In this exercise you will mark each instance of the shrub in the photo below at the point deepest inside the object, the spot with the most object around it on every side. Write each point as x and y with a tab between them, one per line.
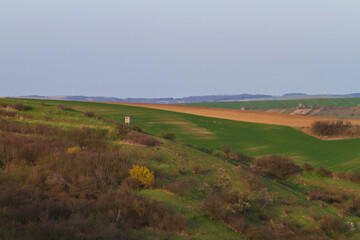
16	106
354	206
348	176
226	148
326	197
62	107
20	107
143	139
238	202
5	113
213	208
121	129
130	211
89	114
144	176
136	128
168	136
278	166
196	169
331	225
306	167
237	224
56	183
329	128
182	187
323	172
238	156
259	233
265	198
86	137
74	149
253	182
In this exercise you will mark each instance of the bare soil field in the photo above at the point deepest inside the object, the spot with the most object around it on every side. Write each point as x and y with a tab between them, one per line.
297	121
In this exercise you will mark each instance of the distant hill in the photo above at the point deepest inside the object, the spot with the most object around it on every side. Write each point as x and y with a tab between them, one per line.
192	99
195	99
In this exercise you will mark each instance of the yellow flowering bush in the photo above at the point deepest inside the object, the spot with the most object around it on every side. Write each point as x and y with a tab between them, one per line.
144	176
73	149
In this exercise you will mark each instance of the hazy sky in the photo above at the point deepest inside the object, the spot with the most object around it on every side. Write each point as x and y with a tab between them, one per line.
161	48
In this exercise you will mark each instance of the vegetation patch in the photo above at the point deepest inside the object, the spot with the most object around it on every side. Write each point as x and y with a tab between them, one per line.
277	166
335	128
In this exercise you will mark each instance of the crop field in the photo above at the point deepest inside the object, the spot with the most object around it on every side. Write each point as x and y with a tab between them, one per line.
261	105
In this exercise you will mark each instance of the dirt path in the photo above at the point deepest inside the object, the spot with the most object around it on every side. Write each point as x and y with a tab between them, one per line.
238	115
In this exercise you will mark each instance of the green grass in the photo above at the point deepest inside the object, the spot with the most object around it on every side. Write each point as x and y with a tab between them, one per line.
271	104
250	138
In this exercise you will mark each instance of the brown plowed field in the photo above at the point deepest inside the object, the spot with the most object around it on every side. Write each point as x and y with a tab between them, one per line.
238	115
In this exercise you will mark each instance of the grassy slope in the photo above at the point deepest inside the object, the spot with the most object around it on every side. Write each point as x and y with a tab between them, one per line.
164	160
176	156
250	138
253	105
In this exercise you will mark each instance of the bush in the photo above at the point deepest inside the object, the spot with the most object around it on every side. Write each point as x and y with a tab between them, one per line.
130	211
331	225
86	137
196	169
237	224
5	113
121	129
259	233
323	172
214	208
254	182
143	139
238	156
306	167
168	136
182	187
278	166
144	176
348	176
74	149
226	148
62	107
136	128
16	106
330	128
238	202
89	114
354	206
326	197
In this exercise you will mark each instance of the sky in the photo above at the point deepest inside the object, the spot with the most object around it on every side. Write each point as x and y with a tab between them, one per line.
167	48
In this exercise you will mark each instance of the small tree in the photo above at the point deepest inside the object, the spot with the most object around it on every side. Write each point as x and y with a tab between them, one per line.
227	150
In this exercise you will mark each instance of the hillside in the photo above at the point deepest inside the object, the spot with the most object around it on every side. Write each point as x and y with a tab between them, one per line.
60	180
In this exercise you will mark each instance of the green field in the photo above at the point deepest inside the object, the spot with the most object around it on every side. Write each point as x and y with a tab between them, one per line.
250	138
272	104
